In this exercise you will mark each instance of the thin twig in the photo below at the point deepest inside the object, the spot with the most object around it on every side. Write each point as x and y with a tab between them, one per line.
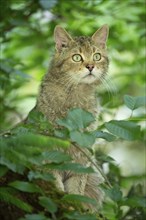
97	167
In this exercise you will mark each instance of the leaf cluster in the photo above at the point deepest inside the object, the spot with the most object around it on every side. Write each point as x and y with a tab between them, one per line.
28	156
26	34
27	184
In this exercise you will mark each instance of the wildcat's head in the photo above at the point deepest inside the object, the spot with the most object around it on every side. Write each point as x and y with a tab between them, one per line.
81	59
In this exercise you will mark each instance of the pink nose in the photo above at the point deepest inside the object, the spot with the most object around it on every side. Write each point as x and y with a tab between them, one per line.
90	67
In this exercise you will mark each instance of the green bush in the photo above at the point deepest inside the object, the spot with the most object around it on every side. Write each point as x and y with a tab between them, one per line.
24	150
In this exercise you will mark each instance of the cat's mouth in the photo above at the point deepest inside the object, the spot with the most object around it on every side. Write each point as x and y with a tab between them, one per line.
90	74
89	78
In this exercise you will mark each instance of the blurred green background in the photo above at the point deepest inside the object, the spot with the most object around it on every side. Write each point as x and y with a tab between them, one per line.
27	46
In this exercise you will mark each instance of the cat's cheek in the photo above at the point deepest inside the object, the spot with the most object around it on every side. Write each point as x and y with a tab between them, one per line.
98	73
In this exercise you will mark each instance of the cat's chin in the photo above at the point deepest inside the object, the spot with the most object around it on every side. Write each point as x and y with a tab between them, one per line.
89	79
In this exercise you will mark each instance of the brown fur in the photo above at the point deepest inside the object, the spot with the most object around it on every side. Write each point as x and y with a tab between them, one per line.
67	85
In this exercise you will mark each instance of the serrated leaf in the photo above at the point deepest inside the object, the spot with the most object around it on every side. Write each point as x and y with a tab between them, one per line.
76	119
124	129
38	140
134	102
75	167
105	135
83	139
48	204
16	157
7	196
12	166
79	198
38	175
56	156
25	186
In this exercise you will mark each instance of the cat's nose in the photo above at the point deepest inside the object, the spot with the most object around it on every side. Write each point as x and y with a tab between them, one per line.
90	67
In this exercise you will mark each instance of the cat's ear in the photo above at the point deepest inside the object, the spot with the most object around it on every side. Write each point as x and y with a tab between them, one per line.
62	38
100	36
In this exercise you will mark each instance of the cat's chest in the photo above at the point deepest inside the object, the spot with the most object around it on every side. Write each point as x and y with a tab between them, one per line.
80	98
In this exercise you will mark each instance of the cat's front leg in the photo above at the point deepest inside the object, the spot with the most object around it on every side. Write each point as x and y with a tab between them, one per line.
58	181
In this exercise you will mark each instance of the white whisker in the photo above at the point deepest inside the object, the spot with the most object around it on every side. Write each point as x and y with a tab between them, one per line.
108	84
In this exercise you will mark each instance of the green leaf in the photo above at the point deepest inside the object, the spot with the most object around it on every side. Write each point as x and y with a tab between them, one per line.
124	129
114	193
109	211
19	130
3	170
104	158
25	186
76	119
7	196
38	140
36	117
48	204
35	217
75	167
79	198
12	166
74	215
37	121
38	175
18	158
105	135
135	201
134	102
63	133
5	67
47	4
56	156
83	139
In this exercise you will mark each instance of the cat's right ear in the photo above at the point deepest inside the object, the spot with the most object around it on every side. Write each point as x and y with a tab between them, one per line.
62	38
100	36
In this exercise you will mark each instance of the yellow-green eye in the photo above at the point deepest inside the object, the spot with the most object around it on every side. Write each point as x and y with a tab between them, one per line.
97	57
77	57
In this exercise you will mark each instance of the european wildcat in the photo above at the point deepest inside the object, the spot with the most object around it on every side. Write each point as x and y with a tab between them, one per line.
78	66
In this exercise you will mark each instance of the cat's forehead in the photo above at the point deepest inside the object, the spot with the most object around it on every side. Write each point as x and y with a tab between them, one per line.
83	39
83	44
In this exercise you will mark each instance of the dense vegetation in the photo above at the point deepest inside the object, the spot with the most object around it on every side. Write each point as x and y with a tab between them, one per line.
26	184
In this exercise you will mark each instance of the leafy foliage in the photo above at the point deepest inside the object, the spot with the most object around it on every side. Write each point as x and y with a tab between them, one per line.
134	102
39	148
76	119
26	184
10	198
125	129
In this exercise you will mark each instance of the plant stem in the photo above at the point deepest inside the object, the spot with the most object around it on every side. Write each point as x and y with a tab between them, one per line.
97	167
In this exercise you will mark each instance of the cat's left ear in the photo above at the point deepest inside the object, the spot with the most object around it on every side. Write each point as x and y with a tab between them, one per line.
100	36
62	38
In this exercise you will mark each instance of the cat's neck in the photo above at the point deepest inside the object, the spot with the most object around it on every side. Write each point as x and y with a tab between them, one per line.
68	87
